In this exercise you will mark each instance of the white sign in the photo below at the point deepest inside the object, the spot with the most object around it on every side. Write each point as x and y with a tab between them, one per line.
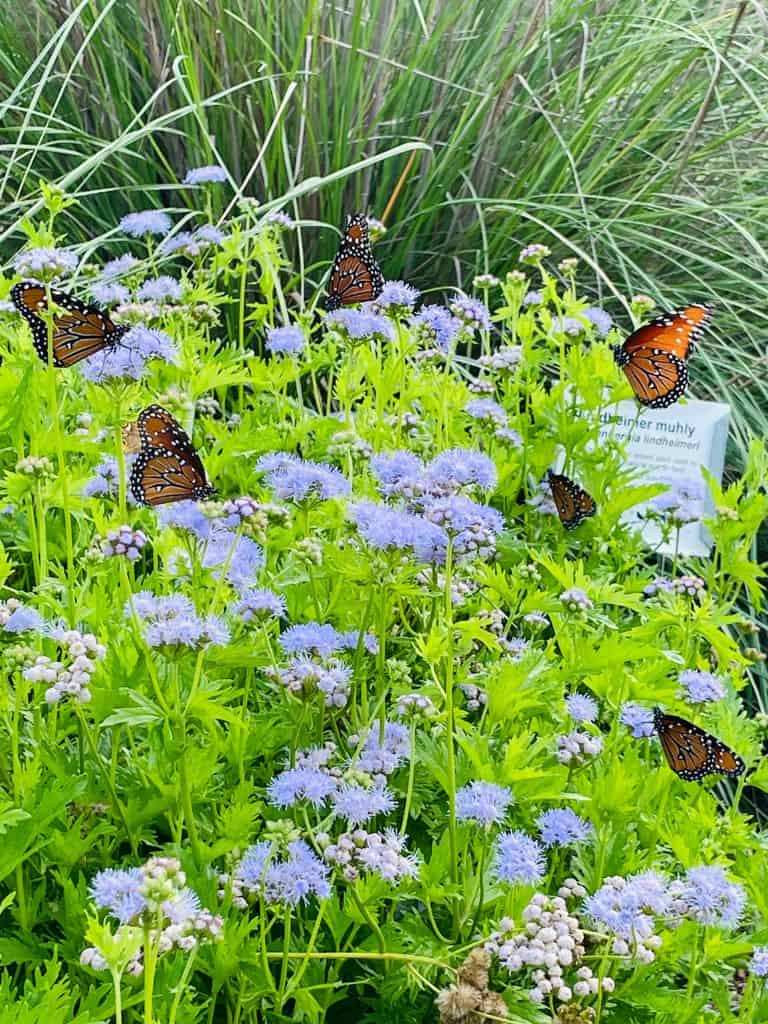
670	446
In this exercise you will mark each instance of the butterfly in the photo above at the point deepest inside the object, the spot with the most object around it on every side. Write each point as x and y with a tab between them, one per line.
655	356
78	332
167	467
355	275
573	503
691	752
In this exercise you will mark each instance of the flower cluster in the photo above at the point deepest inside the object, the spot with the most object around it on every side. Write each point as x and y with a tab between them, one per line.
16	617
293	479
128	358
173	621
303	676
627	909
263	874
70	677
577	746
360	852
484	803
125	542
701	687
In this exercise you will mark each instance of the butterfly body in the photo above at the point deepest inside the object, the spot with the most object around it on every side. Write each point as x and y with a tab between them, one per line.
691	752
167	467
654	358
77	332
573	503
355	275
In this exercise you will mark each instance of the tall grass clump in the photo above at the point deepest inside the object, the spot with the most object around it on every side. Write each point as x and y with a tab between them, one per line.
630	133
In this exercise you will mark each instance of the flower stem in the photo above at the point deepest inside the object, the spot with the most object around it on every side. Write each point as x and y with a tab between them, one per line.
116	984
449	711
180	988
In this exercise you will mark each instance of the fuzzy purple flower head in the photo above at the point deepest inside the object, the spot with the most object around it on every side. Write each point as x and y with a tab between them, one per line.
211	174
519	860
701	687
396	295
146	222
472	312
108	293
484	803
45	263
128	358
360	325
563	827
638	719
581	707
436	326
288	340
159	289
293	479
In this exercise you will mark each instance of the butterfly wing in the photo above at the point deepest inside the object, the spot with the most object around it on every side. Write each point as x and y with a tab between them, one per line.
657	378
355	275
79	330
167	468
676	332
691	752
573	503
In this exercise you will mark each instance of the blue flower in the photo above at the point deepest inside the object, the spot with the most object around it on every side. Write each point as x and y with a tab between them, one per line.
289	340
300	876
576	599
119	891
382	758
581	707
701	687
183	907
182	240
281	219
185	515
638	719
601	320
146	222
173	621
759	963
661	585
45	263
358	803
462	467
312	637
252	869
519	860
210	234
569	325
310	784
562	827
360	324
205	175
107	292
350	639
295	480
104	482
487	409
711	898
484	803
473	527
398	473
386	529
128	358
119	266
159	288
436	325
472	312
534	253
397	294
242	556
257	604
627	907
533	298
24	620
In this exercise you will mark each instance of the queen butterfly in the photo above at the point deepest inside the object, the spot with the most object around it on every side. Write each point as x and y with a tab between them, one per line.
355	275
167	467
573	503
691	752
655	357
77	333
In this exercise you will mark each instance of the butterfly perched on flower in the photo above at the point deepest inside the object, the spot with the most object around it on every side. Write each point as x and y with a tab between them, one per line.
78	330
167	467
355	275
655	357
692	752
573	503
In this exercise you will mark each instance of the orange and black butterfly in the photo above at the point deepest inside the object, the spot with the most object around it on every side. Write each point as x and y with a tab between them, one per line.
167	467
355	275
79	330
691	752
655	356
573	503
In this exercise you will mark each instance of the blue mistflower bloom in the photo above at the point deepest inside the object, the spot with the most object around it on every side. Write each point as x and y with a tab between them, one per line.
759	963
638	719
472	312
315	637
581	707
260	604
701	687
24	620
519	860
562	827
484	803
293	479
533	298
289	340
487	409
120	892
304	783
118	266
159	289
462	467
387	529
473	527
129	357
210	234
300	876
357	803
104	482
185	515
382	758
598	317
360	324
45	263
437	325
146	222
397	295
173	621
711	898
627	907
242	557
107	293
210	174
398	473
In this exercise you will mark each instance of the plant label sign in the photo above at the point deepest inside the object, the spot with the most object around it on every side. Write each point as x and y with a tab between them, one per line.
670	446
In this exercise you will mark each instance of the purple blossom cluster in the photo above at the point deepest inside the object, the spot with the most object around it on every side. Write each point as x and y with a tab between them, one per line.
436	326
124	542
519	860
172	621
289	880
289	340
483	803
380	756
403	474
128	358
45	264
378	853
145	222
293	479
70	677
361	324
304	676
701	687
